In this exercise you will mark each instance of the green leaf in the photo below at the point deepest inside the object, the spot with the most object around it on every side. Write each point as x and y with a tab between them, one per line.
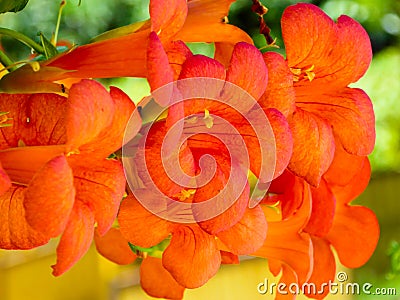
49	49
12	5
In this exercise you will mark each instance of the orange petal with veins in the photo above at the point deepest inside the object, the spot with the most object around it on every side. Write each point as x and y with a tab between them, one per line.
135	221
156	281
324	269
280	92
76	239
111	138
341	52
100	184
160	72
37	119
323	210
351	115
344	166
359	182
104	59
167	20
177	53
248	70
314	146
226	195
114	247
247	235
192	257
285	241
5	182
15	232
91	110
228	258
50	197
205	23
355	230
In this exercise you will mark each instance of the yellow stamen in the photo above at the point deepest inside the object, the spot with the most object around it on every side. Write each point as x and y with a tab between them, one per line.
299	74
34	65
208	120
185	194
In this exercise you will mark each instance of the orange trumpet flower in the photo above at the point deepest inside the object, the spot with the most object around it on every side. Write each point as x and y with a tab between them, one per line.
56	157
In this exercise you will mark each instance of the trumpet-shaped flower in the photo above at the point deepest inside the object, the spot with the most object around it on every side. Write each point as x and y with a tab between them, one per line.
336	222
111	55
55	154
194	253
313	220
324	58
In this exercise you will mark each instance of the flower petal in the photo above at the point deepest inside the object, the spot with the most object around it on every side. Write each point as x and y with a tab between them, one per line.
228	258
324	269
135	221
310	40
280	91
114	247
50	197
26	80
160	72
225	193
205	23
248	70
344	167
177	53
104	59
323	210
192	257
110	139
76	239
5	182
156	164
355	230
223	53
285	241
100	184
15	232
156	281
22	163
351	115
314	146
37	119
202	66
283	140
167	20
248	235
345	194
341	53
91	109
288	276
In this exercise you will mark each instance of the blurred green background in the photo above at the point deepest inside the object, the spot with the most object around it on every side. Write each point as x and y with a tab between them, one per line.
81	22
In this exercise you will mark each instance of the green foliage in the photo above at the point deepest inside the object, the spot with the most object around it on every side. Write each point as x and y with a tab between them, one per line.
49	50
155	251
12	5
394	254
381	84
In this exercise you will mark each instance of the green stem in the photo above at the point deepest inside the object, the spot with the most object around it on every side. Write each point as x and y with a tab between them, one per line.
22	38
6	61
55	37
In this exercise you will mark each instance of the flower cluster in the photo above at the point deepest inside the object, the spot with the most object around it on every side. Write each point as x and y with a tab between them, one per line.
288	139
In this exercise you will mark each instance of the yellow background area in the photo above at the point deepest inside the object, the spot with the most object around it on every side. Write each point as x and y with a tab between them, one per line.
27	275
